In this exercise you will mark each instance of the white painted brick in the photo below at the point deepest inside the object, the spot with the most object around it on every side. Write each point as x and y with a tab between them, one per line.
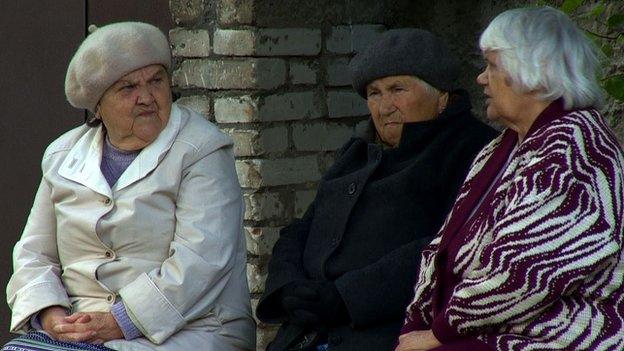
262	206
189	43
233	12
290	171
256	277
267	42
264	335
248	172
186	12
338	73
245	141
320	136
251	73
342	103
288	41
291	106
233	42
256	173
303	72
239	109
258	142
260	240
303	199
198	103
354	38
274	139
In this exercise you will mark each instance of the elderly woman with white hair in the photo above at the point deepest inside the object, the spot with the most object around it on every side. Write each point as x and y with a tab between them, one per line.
530	257
134	240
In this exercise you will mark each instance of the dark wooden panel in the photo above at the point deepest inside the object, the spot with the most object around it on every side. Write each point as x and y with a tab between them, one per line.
38	38
155	12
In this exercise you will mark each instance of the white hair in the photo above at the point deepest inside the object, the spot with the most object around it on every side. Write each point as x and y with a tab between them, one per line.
429	89
542	50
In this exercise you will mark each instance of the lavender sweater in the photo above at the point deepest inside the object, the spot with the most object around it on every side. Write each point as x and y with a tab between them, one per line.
539	266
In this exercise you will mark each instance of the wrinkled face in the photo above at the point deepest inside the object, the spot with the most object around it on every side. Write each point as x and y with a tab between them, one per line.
136	108
502	101
395	100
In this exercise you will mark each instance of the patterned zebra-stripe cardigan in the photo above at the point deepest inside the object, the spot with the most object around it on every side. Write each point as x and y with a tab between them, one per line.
541	265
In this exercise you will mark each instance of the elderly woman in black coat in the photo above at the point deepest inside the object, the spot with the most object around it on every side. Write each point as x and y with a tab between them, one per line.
341	277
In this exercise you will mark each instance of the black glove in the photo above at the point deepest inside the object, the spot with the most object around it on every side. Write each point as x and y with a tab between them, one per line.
314	302
293	296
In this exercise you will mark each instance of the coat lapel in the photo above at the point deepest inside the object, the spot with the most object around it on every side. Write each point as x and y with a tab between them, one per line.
151	155
82	164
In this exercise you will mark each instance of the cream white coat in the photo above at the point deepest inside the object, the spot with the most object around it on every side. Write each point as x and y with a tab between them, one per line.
166	239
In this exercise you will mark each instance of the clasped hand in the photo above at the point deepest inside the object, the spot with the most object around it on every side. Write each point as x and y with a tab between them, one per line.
91	327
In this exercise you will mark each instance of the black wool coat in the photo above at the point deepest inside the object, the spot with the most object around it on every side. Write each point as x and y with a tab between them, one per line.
374	211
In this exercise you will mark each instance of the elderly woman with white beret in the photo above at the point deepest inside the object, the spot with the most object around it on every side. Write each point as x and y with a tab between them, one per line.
134	241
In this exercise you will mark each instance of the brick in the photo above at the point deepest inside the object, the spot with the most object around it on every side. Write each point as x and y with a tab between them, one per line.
240	109
259	142
303	199
256	277
353	38
233	12
256	173
260	240
338	73
343	103
263	206
234	42
303	72
186	12
252	73
189	43
288	41
264	335
291	106
198	103
277	107
320	136
245	141
290	171
267	42
248	172
274	139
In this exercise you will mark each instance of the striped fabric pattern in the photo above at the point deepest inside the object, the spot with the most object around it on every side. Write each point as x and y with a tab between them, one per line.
38	341
542	268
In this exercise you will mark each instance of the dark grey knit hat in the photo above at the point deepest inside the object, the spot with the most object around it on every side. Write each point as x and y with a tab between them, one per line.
406	51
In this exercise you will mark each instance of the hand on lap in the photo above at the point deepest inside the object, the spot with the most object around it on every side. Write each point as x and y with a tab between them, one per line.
417	340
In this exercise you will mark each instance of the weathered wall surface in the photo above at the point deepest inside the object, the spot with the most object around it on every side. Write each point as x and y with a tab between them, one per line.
273	74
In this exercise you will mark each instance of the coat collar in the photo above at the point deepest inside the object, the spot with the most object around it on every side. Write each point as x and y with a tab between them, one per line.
82	164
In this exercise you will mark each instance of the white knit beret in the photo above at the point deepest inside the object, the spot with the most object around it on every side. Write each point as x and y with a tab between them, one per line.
109	53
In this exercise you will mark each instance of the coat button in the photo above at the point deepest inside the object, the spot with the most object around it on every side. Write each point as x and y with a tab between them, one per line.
351	189
110	298
109	254
334	339
107	201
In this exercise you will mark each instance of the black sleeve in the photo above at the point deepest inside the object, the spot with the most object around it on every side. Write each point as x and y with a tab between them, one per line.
381	291
286	263
286	266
